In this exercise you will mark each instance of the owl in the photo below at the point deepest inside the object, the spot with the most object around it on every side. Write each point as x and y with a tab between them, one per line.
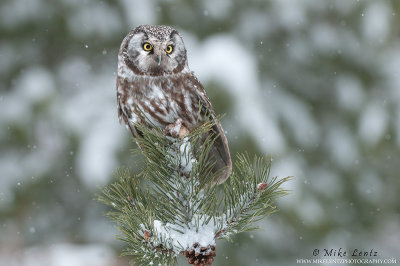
155	87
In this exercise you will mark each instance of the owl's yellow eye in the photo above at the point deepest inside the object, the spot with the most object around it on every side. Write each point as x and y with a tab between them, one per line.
169	49
147	46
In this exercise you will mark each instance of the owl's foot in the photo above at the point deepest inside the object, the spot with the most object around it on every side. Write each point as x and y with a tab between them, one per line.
176	130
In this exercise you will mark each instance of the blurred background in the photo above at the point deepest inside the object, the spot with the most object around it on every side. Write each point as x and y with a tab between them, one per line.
314	84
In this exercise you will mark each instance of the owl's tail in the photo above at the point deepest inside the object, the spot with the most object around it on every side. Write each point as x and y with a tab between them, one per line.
220	154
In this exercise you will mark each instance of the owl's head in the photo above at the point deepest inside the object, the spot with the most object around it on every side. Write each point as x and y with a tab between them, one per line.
153	51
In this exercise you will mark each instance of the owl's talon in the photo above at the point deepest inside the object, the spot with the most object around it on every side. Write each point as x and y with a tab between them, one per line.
183	132
176	130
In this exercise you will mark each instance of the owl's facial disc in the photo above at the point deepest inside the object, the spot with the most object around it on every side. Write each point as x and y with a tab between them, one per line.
152	56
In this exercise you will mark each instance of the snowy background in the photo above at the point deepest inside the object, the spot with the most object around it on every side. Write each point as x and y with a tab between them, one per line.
315	84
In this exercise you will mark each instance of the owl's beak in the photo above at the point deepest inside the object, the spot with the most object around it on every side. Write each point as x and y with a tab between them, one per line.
159	59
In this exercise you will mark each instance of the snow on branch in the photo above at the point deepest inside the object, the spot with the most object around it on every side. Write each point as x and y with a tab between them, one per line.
173	207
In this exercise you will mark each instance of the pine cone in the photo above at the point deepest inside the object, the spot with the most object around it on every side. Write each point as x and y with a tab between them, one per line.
146	235
261	186
199	255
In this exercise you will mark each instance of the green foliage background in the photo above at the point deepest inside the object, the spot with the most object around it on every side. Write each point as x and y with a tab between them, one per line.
314	84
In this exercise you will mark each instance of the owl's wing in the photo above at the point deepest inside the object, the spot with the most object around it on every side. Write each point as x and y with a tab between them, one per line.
123	114
220	151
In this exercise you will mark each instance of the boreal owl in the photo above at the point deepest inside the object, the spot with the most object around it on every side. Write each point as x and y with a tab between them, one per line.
156	88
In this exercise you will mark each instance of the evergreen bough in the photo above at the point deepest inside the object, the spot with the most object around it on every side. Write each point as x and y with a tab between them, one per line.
173	206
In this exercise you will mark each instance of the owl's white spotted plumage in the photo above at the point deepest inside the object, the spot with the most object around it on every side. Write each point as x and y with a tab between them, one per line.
155	87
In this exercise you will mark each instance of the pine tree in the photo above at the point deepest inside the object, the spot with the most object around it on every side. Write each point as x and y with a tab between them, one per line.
173	206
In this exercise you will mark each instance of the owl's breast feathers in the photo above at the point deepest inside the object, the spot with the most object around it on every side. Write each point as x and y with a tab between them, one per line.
160	101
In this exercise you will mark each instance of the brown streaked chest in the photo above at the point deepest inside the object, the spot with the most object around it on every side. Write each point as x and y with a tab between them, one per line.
165	99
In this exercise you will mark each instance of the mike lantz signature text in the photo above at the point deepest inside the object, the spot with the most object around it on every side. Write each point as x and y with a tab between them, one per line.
345	253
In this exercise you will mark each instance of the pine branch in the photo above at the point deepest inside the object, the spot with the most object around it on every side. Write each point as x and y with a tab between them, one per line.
173	207
249	195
